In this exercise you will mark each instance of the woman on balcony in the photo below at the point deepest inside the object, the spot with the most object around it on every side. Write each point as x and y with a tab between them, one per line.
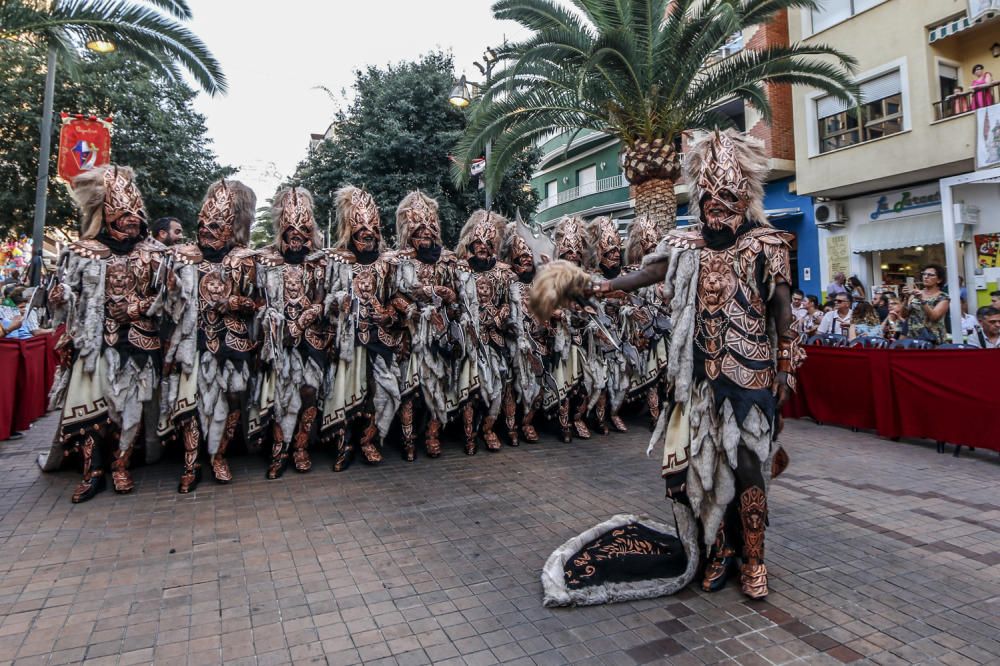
981	84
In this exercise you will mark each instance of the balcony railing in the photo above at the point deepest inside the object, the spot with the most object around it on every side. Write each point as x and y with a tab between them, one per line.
602	185
962	103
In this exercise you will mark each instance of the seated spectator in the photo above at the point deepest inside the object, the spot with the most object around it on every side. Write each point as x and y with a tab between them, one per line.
969	321
20	327
798	305
882	306
864	321
809	324
987	334
856	289
838	320
894	324
927	307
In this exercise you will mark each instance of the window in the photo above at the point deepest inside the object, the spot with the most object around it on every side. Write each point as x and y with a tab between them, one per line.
947	78
550	190
881	114
832	12
586	180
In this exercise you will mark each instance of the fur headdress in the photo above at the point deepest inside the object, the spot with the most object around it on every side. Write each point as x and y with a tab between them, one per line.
483	226
729	159
642	233
293	206
513	245
110	186
416	209
558	284
569	234
602	236
356	207
231	198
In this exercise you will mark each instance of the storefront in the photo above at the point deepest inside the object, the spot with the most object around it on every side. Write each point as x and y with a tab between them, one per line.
884	238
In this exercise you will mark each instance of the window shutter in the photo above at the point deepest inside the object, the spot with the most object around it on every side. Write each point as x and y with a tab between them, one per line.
882	87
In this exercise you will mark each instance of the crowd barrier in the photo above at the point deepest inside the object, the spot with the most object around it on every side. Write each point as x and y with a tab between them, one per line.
27	368
947	395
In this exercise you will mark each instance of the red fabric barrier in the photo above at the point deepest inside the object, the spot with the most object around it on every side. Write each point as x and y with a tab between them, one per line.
946	395
31	380
10	363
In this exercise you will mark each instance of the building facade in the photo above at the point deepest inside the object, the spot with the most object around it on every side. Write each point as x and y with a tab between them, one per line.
587	180
883	174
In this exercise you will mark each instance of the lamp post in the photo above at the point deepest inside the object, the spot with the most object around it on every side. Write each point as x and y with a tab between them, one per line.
461	98
44	151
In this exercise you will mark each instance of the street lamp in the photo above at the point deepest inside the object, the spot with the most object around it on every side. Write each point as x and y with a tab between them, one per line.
461	98
44	150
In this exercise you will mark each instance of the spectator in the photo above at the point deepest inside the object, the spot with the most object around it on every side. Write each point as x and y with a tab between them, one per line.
963	293
982	96
894	324
809	324
837	286
987	334
167	230
969	321
839	319
882	306
864	321
995	299
798	305
20	327
927	307
959	101
856	289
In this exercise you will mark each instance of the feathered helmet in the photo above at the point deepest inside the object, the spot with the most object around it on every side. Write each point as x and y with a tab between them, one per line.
358	218
604	243
643	237
514	249
481	227
108	195
730	168
294	222
226	214
417	212
568	237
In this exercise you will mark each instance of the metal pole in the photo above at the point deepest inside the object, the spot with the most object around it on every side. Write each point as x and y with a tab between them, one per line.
42	184
489	194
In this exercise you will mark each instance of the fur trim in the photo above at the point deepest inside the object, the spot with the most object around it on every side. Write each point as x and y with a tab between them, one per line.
402	226
557	283
343	206
752	160
498	221
88	193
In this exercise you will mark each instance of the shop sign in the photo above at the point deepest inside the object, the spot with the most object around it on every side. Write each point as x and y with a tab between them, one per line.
903	203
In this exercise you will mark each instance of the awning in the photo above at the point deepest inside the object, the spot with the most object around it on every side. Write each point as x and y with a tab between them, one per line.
958	25
927	229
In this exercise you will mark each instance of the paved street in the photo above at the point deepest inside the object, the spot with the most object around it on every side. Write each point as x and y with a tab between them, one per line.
879	552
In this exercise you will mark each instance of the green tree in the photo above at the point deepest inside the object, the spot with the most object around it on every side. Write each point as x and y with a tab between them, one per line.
643	71
156	131
397	135
150	32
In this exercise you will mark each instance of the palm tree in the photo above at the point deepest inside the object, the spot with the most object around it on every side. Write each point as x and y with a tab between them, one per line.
150	32
642	71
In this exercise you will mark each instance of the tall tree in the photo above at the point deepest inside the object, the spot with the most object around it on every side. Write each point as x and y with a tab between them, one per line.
156	131
643	71
397	135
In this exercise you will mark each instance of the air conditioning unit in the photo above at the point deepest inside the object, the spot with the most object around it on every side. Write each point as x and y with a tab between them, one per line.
829	214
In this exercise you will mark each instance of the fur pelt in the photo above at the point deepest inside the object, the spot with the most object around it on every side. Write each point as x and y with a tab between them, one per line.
596	229
557	283
88	193
752	160
244	207
342	201
402	225
633	244
499	222
564	229
283	198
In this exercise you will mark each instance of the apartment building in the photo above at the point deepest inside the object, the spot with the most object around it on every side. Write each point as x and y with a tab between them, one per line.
586	178
896	181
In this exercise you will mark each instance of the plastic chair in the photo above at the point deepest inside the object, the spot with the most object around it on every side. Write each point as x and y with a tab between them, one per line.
911	343
828	340
869	342
956	345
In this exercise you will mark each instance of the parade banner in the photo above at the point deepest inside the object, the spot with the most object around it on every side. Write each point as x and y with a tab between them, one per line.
84	143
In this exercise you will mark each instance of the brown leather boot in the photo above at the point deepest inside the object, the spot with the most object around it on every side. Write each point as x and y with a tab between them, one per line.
579	420
191	473
409	436
279	455
490	437
121	477
721	559
468	420
300	445
600	411
528	428
753	517
653	405
433	439
93	480
345	449
618	424
220	466
369	445
567	433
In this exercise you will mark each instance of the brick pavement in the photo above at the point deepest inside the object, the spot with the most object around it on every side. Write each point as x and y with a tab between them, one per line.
879	552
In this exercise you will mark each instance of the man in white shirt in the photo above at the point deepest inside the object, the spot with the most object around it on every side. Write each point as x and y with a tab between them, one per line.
798	306
839	319
988	335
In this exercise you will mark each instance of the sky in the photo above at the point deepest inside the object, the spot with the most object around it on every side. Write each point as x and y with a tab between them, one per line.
275	55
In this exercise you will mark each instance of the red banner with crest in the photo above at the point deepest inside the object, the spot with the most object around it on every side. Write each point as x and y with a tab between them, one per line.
84	143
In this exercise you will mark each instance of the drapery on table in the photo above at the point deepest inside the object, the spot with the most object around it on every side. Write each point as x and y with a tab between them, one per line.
27	368
944	395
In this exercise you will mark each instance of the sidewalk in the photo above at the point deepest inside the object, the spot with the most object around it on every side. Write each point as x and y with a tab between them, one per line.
879	552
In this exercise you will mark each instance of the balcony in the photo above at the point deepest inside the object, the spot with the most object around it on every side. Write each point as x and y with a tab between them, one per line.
962	103
602	185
